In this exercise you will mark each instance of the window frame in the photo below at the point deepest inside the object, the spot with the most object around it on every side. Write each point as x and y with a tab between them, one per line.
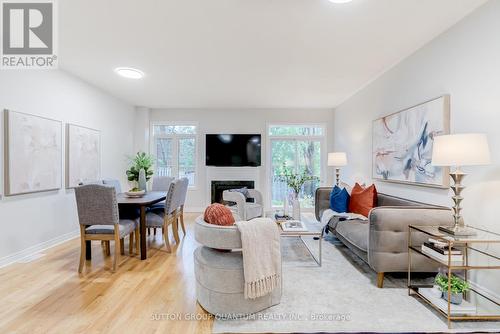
175	149
323	154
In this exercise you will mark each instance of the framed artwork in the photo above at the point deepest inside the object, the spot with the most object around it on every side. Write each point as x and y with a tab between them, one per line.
403	141
83	155
33	153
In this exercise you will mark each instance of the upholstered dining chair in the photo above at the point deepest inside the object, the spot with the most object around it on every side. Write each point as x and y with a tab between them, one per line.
170	213
182	201
113	183
160	183
99	220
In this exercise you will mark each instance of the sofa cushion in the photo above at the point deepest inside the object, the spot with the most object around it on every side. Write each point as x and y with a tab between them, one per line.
339	200
363	199
355	232
218	214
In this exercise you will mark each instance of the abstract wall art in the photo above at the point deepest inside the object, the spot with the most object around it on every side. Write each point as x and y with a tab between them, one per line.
33	153
402	144
83	155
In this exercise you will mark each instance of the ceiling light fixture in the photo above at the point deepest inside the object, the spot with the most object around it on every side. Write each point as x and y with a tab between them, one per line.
130	73
339	1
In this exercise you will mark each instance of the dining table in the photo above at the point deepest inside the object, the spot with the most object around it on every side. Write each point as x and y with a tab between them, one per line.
141	203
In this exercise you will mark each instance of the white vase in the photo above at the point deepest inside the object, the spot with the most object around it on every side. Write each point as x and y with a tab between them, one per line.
142	180
296	209
285	206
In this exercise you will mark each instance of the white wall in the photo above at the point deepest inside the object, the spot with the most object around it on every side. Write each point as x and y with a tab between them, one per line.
463	62
239	121
33	221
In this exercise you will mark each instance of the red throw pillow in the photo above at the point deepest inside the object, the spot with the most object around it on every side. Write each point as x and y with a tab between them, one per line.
363	199
218	214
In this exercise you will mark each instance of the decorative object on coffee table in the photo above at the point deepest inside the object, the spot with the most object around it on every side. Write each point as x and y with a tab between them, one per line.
295	181
458	150
337	160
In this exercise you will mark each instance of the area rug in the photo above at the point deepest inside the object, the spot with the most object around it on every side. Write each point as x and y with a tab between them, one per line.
341	296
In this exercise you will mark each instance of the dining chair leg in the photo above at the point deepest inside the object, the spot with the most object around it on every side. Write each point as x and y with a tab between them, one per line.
108	247
131	243
175	230
122	246
137	240
149	231
117	249
182	220
165	235
83	249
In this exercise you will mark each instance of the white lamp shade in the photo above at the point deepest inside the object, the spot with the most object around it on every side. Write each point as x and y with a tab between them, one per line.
337	159
466	149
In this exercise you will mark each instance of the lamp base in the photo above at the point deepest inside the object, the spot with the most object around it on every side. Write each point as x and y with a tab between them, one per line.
459	231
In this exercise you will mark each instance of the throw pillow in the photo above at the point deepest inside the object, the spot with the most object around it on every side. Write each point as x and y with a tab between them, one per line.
339	200
218	214
363	199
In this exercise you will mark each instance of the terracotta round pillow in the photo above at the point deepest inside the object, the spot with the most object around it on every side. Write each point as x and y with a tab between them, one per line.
218	214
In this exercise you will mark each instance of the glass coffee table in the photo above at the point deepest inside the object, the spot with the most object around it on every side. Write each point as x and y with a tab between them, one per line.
314	230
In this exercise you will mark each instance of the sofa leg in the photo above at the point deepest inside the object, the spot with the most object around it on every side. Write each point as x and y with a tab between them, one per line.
380	280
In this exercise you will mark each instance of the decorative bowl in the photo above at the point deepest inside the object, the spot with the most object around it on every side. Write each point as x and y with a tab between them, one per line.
135	194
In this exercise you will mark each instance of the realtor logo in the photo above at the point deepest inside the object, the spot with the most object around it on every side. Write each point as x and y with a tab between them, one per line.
28	31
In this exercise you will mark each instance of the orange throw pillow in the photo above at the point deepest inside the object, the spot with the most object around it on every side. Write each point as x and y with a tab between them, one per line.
218	214
363	199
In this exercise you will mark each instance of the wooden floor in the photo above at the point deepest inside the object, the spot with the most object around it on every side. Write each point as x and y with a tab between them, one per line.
152	296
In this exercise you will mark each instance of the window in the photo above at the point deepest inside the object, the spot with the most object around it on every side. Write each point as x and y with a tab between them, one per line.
174	148
298	148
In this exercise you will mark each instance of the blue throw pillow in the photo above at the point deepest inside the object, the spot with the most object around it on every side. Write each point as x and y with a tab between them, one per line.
339	200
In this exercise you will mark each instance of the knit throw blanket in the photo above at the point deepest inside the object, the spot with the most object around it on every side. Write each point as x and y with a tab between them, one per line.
260	239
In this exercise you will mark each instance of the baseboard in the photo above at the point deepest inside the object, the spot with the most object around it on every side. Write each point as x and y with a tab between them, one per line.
13	258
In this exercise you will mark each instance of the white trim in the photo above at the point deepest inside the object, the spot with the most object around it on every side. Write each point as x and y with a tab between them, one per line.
30	251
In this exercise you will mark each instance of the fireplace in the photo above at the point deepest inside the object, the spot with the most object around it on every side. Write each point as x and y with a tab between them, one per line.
218	188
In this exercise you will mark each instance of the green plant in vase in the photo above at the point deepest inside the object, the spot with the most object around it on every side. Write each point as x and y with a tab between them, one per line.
458	287
295	182
141	169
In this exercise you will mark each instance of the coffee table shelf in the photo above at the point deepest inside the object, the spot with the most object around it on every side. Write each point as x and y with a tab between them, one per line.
314	230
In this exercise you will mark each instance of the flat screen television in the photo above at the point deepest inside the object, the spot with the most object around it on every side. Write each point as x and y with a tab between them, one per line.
233	150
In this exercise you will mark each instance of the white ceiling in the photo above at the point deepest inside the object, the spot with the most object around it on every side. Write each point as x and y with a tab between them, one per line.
245	53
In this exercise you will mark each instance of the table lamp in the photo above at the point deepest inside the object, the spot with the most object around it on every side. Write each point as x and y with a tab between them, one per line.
337	160
470	149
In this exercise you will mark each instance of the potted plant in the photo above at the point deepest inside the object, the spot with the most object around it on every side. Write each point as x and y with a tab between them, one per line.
141	169
295	181
458	287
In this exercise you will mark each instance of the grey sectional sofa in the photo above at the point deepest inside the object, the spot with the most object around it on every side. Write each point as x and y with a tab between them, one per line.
382	241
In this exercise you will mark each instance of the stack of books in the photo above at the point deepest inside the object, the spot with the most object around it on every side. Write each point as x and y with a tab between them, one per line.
439	251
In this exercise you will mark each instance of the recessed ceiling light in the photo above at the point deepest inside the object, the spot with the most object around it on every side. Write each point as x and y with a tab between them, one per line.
340	1
130	73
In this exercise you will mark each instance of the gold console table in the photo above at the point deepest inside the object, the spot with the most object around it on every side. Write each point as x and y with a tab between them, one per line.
476	256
